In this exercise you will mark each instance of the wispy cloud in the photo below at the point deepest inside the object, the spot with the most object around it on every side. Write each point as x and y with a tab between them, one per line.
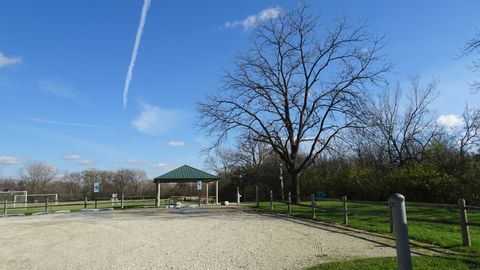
6	83
71	157
160	165
252	20
154	121
136	161
176	143
450	121
138	38
8	61
9	160
78	160
87	162
57	89
72	124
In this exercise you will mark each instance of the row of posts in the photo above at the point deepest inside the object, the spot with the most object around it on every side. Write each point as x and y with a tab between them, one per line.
461	206
398	211
85	204
398	224
313	204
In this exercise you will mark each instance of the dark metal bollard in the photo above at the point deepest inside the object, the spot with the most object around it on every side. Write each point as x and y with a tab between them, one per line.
46	205
289	203
271	200
313	206
400	228
345	210
464	222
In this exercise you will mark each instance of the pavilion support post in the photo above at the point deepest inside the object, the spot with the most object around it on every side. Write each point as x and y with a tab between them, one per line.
157	200
199	192
206	195
216	192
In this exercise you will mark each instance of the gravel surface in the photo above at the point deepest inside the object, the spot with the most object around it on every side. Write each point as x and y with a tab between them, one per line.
188	238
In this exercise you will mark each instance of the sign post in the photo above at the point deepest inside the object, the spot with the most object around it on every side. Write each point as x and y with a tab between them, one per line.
96	189
199	188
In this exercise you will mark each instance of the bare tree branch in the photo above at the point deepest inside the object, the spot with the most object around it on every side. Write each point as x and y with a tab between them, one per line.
298	83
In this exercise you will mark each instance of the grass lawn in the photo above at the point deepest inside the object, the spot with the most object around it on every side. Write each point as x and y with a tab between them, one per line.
423	263
423	226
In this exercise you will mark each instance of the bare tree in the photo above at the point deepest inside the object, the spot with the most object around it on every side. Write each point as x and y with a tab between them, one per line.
295	86
8	184
72	183
35	176
470	134
472	47
222	161
128	180
402	133
251	152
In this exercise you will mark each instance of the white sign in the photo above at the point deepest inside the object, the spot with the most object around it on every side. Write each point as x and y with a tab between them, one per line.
96	187
199	185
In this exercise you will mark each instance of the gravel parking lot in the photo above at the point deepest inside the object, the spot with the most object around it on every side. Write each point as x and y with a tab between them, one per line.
188	238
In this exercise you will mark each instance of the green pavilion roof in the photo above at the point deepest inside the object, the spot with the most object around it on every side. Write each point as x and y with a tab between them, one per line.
185	173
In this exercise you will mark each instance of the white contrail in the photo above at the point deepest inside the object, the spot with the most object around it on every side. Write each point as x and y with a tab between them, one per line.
146	6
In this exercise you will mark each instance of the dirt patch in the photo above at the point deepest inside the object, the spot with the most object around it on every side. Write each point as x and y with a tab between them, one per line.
212	238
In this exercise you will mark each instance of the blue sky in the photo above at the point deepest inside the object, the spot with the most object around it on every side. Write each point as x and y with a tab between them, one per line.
63	66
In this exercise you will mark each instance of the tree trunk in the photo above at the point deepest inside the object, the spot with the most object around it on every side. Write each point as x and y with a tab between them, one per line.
296	184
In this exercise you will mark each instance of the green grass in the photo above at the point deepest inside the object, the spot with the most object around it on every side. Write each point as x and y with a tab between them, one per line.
422	220
423	263
423	226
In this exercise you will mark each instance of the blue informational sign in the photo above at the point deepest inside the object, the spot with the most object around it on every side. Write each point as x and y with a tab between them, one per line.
199	185
96	187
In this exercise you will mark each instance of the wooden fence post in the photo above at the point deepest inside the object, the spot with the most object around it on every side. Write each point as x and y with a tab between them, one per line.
464	222
313	206
345	210
46	205
256	196
5	207
271	200
85	202
289	203
121	202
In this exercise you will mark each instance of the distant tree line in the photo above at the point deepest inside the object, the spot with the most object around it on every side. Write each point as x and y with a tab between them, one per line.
41	178
432	166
